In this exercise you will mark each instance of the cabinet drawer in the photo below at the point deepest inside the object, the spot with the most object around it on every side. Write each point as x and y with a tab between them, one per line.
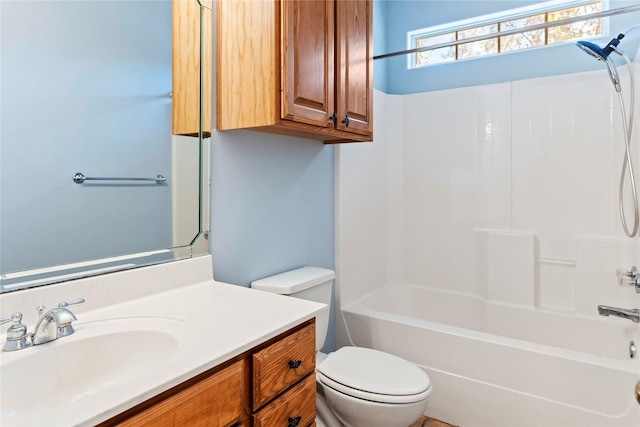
216	401
296	407
282	364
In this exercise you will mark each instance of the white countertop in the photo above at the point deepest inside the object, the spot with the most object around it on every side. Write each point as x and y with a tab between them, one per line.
215	322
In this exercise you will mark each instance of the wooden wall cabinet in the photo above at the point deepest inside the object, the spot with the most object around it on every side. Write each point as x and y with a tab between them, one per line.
186	63
271	385
296	67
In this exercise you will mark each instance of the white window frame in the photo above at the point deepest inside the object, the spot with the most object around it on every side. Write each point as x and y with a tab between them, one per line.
492	18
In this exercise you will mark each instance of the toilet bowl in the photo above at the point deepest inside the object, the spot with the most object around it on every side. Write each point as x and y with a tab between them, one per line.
360	387
370	388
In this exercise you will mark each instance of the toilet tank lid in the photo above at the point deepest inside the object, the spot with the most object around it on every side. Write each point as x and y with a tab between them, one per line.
294	281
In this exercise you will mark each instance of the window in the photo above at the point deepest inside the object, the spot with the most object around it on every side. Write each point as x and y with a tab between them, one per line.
519	19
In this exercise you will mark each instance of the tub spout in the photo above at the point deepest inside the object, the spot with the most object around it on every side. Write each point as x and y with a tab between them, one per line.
631	314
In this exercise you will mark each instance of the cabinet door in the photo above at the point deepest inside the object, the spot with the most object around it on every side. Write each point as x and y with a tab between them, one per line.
354	54
307	46
216	401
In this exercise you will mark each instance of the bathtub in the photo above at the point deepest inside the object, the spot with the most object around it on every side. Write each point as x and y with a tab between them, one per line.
495	364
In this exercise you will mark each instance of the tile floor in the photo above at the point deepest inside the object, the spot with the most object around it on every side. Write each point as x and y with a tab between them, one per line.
429	422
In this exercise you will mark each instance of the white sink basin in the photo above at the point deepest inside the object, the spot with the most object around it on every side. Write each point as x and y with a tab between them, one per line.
99	356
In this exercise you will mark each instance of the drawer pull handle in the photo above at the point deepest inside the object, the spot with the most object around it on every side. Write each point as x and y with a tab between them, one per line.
295	364
293	422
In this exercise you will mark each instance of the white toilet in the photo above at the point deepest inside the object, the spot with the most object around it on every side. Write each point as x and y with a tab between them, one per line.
362	387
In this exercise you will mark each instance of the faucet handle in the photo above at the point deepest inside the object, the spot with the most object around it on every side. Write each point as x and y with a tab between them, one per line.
629	279
17	337
74	302
17	316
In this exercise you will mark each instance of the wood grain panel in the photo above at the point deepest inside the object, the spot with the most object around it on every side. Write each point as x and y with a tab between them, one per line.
355	56
300	401
272	372
307	43
247	63
217	401
186	62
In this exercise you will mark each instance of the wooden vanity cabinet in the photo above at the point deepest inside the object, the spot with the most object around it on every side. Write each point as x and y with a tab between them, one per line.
296	67
186	63
271	385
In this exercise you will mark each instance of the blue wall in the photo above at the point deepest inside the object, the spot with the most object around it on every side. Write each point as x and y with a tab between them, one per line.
272	205
402	16
380	13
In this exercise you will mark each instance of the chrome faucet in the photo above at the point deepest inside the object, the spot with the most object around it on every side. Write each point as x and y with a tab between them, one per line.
53	324
631	314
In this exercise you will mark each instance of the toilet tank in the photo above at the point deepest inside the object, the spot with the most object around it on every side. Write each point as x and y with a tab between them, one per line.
309	283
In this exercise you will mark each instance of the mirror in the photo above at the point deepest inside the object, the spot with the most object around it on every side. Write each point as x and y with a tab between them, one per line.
86	88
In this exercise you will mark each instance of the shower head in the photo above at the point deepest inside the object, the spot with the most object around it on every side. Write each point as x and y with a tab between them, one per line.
602	54
593	50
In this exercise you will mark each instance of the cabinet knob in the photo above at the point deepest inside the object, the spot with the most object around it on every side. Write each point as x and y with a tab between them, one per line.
293	422
345	121
295	364
333	118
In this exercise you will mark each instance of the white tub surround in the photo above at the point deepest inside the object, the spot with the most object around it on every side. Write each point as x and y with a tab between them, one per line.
504	198
213	322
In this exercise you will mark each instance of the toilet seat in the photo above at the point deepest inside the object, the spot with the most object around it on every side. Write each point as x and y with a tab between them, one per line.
374	375
372	397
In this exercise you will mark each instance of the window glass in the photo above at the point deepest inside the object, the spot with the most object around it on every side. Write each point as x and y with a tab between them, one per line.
479	48
436	56
577	30
525	39
508	21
